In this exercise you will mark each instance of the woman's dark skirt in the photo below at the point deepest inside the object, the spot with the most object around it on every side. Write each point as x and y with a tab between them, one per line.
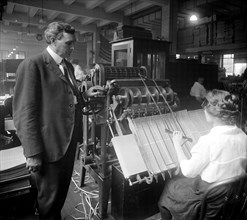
182	197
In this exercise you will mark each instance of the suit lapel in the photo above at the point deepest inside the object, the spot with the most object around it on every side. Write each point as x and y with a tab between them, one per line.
52	66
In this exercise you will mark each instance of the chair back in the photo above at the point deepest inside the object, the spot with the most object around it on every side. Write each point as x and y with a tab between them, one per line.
226	200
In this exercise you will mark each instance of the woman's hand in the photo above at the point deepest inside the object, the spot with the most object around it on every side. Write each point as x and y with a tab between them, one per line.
177	137
178	141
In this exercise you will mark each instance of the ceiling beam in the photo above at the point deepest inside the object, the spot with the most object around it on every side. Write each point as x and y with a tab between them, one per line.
116	5
158	2
52	15
76	9
32	12
93	3
68	2
23	18
86	20
70	18
136	7
102	23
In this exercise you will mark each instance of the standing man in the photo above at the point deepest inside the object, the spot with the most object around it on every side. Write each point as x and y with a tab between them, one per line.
47	116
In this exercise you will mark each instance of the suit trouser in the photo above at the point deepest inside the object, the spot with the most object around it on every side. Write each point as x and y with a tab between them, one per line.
53	183
53	180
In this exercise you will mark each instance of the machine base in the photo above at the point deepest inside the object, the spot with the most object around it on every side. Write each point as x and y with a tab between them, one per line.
135	202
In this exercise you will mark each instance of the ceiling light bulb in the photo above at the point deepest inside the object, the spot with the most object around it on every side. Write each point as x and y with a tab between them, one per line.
193	18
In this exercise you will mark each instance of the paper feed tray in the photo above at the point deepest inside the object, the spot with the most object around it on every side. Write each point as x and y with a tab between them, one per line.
129	155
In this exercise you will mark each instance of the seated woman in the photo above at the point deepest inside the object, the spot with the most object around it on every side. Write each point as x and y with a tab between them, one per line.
219	155
197	94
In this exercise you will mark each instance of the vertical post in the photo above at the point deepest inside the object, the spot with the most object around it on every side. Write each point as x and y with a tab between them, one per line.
169	25
105	184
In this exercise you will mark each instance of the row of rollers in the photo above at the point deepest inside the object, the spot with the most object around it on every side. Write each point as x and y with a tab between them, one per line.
128	96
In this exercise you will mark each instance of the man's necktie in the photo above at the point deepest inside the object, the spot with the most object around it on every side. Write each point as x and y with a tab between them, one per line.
72	82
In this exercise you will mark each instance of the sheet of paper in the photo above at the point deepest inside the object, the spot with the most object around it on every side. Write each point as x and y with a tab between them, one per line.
154	143
11	157
9	125
129	156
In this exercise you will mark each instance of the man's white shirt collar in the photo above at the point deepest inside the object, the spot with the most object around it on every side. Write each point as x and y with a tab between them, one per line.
56	57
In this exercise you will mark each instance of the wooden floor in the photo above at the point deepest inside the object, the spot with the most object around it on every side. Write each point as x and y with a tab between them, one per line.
76	205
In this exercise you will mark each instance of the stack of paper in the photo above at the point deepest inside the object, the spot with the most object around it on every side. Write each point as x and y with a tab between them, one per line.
14	176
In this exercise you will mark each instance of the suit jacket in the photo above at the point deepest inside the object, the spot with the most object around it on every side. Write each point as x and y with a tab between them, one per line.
43	108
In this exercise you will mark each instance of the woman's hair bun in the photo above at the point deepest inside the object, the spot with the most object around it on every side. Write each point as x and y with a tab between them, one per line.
230	102
223	105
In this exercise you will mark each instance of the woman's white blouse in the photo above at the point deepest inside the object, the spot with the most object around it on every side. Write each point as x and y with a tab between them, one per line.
219	155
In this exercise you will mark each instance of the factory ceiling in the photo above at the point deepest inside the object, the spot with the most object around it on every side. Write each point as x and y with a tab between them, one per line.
84	15
31	16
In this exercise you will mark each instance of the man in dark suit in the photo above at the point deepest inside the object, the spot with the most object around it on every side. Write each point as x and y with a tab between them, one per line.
47	115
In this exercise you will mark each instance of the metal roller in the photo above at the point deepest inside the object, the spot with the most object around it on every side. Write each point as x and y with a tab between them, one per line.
137	95
146	97
125	97
162	94
170	94
154	93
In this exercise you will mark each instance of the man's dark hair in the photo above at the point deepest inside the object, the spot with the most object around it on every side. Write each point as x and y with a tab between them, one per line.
55	31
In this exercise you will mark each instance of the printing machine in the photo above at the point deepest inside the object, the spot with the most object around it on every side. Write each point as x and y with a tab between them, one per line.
127	143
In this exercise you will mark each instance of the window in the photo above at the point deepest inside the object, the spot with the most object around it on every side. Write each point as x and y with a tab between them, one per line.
233	65
228	63
20	55
239	68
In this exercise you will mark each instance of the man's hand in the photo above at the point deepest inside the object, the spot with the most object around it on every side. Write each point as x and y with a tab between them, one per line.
94	91
34	163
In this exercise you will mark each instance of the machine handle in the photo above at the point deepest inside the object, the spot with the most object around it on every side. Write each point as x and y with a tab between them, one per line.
185	137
